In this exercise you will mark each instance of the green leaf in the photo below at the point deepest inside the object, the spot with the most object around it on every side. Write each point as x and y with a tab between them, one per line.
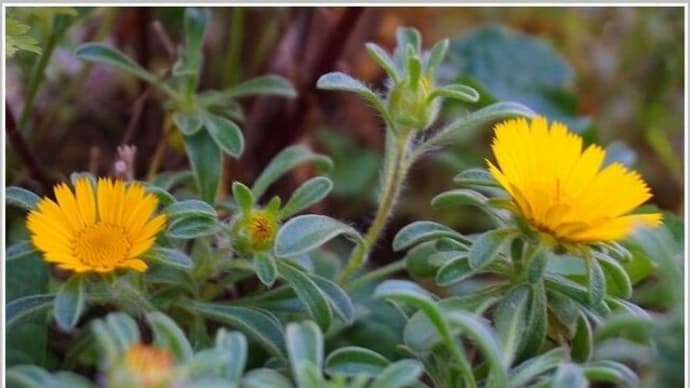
167	335
462	197
617	281
473	177
265	378
537	265
418	259
25	306
243	196
339	299
285	161
596	281
487	342
569	376
578	294
399	374
535	366
27	376
164	197
17	37
188	228
69	303
493	112
97	52
386	62
457	92
304	343
582	343
309	293
265	267
309	193
257	324
114	334
233	346
342	81
486	247
171	257
19	250
195	22
204	156
414	68
188	123
169	180
307	232
226	134
190	208
402	373
419	231
267	85
454	270
21	198
535	330
407	36
352	361
510	318
308	375
436	55
610	372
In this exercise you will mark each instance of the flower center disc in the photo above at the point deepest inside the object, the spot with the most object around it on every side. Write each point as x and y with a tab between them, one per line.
101	245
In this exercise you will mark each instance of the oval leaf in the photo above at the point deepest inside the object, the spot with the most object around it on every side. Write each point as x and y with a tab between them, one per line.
473	177
265	378
69	303
205	158
342	81
457	92
454	270
569	376
486	247
339	299
167	335
172	257
308	232
257	324
304	342
188	123
190	208
192	227
510	318
19	250
242	196
419	231
285	161
459	197
21	198
307	291
265	267
309	193
226	134
353	361
399	374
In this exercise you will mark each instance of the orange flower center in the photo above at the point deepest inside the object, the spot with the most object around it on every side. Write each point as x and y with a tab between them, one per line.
101	245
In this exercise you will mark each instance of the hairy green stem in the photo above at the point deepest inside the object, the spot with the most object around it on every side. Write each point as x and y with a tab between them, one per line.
394	172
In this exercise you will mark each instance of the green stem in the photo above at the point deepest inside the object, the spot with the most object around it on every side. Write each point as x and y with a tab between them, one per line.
234	53
37	77
394	172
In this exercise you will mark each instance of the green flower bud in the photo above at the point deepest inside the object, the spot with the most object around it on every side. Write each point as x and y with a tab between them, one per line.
410	106
255	230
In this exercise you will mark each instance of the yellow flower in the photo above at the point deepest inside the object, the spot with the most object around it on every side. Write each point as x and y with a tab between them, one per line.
561	189
96	229
142	366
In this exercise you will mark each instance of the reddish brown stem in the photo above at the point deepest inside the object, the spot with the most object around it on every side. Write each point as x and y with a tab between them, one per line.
24	152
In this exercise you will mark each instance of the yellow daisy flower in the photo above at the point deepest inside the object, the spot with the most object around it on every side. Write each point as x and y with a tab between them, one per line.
561	189
97	229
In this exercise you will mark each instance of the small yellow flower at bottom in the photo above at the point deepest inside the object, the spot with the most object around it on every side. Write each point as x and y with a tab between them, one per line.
96	229
562	190
142	366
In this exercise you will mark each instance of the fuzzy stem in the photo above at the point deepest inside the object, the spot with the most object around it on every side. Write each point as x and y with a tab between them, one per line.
394	172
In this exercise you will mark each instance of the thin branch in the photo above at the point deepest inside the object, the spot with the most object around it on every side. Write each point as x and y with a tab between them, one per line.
22	149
